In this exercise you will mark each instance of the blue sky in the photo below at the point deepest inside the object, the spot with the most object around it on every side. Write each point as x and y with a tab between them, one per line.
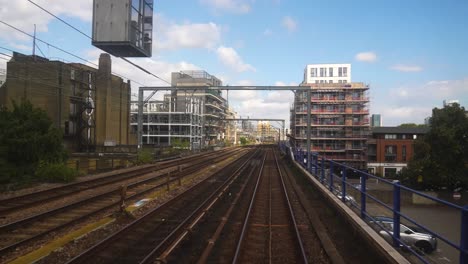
412	53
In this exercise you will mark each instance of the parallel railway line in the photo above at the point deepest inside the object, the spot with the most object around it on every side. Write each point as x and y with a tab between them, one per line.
21	202
21	232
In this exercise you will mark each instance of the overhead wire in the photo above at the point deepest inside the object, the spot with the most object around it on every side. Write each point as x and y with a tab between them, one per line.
51	45
86	35
69	53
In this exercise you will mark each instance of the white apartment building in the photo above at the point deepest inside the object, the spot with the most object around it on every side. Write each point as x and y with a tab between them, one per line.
327	73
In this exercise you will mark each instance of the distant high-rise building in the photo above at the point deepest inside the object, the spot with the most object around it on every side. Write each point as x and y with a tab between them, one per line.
427	120
339	114
376	120
450	102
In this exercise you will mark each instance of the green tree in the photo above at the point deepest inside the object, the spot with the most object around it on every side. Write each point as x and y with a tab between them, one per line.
27	137
441	157
244	141
412	125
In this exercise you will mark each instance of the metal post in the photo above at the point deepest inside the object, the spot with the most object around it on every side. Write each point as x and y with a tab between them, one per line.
323	170
140	118
331	176
396	213
464	236
363	196
309	109
316	165
343	185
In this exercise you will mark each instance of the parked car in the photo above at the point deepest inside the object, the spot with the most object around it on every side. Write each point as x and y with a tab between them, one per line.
410	235
348	198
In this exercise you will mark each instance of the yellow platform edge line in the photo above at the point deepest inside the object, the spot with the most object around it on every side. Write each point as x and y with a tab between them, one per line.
59	242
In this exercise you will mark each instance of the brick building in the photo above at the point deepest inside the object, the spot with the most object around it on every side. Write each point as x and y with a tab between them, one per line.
390	148
91	106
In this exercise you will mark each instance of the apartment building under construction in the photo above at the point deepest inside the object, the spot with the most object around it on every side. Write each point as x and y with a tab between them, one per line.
339	114
191	115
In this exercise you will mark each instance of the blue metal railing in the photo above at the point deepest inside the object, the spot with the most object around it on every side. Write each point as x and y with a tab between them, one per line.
318	167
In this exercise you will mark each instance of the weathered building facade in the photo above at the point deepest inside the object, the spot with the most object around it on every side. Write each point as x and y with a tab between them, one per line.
91	106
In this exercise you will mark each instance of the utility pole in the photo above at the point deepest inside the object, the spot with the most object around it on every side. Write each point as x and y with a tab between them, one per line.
34	44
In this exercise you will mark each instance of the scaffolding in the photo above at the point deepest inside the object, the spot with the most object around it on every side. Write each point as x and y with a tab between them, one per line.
339	123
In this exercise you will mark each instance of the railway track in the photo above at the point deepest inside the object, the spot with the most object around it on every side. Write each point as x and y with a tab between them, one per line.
144	240
21	232
13	204
270	232
272	235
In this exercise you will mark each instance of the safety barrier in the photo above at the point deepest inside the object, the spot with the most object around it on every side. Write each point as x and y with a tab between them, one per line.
333	175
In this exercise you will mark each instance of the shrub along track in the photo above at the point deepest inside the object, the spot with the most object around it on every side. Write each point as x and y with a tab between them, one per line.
142	240
27	230
21	202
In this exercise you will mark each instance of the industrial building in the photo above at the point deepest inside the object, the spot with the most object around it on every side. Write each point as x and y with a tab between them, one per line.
187	114
90	106
339	114
390	149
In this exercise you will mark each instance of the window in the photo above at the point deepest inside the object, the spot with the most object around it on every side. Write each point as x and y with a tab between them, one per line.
316	81
323	72
345	71
390	136
403	153
344	81
390	172
313	72
330	81
322	81
340	72
415	136
340	81
330	72
390	153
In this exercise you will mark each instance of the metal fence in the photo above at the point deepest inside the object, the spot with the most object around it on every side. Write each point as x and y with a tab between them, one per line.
334	176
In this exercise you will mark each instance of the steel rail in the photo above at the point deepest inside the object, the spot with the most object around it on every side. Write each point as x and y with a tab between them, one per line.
217	194
17	203
247	217
212	241
291	212
38	217
86	255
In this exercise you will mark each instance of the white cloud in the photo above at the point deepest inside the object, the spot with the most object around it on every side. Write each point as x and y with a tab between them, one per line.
280	97
413	103
406	68
232	6
230	58
280	83
245	83
158	67
368	56
289	23
405	114
23	15
172	36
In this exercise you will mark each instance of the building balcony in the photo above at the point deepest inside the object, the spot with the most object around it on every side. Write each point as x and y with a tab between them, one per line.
215	106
